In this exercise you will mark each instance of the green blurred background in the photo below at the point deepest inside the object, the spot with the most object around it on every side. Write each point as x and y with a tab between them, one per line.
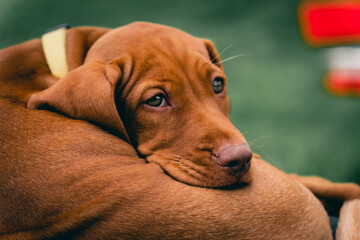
278	100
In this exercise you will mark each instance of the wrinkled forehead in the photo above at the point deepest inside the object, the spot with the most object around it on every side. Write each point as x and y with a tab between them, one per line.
146	42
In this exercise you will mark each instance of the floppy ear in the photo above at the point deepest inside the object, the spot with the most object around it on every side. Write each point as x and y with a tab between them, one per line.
213	54
78	42
88	93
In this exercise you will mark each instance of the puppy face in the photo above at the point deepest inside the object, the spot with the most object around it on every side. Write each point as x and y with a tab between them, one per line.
170	94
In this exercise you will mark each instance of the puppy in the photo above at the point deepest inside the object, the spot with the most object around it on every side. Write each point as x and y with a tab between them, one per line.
166	93
66	178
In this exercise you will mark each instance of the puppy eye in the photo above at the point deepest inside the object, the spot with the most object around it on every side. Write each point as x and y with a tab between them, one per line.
156	101
218	85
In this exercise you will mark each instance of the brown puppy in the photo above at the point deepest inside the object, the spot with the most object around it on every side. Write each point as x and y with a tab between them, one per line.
62	178
170	101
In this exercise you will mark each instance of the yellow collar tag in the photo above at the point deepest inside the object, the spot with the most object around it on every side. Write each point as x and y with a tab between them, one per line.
53	44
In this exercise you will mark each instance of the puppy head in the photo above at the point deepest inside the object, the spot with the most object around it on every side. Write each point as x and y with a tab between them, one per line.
165	92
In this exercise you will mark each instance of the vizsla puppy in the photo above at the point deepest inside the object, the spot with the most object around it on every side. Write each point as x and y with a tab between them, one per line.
170	102
160	94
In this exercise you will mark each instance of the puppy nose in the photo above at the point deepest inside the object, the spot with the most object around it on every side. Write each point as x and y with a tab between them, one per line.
237	158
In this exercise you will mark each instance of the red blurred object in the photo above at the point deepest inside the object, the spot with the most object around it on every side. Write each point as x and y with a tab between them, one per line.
343	82
325	23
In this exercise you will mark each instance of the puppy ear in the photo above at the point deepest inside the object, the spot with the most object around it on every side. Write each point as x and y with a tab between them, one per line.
213	54
87	93
78	42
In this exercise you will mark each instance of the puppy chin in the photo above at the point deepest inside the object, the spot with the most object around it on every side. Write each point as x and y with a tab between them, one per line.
247	177
230	181
218	180
211	176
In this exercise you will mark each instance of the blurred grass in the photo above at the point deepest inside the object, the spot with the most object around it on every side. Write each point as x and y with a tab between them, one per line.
278	101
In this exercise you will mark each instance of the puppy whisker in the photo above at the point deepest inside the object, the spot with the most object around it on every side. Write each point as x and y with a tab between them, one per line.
233	57
175	156
189	170
184	162
244	132
179	159
230	45
260	150
255	147
257	139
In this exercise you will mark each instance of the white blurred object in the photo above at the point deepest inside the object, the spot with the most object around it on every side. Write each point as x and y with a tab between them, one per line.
344	58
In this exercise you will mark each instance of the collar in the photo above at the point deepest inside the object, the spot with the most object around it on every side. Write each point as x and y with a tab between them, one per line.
54	48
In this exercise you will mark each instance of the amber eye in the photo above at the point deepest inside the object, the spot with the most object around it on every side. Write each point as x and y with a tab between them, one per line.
156	101
218	85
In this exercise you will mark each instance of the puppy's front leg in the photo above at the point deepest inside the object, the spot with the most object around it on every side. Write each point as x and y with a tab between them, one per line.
323	188
349	221
339	199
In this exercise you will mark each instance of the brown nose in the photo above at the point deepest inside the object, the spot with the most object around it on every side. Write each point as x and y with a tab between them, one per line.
236	157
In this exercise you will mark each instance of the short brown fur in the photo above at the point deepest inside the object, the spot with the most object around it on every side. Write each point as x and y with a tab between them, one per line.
62	177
